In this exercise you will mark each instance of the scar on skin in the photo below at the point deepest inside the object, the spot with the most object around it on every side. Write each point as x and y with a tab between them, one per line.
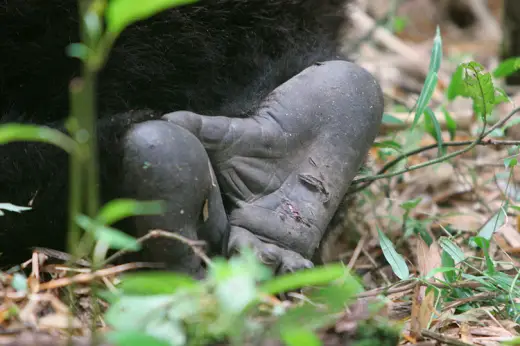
315	184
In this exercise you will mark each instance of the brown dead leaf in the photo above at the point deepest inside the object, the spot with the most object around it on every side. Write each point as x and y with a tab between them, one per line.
463	222
465	333
428	258
59	321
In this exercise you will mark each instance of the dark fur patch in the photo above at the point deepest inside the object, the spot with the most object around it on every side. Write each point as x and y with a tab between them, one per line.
214	57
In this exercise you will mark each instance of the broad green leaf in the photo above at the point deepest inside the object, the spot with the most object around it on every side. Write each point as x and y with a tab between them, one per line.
426	94
479	87
132	313
395	260
151	283
167	330
299	336
335	296
507	67
119	209
309	277
452	249
307	316
187	307
236	292
122	13
456	87
112	237
134	338
21	133
500	95
390	119
246	262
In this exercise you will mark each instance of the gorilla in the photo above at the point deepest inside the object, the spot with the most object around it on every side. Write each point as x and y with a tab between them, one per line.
241	115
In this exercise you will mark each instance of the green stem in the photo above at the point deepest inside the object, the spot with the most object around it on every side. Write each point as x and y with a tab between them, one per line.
88	123
75	171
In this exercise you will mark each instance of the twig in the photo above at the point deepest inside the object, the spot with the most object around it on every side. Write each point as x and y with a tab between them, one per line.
195	245
470	145
476	297
444	339
87	277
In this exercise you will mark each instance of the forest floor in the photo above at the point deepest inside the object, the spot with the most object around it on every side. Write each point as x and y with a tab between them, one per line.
450	202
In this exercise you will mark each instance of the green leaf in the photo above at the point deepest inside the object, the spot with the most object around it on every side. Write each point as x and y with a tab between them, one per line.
426	94
478	85
390	119
451	124
388	144
336	295
111	236
411	204
309	277
21	133
483	243
510	162
395	260
447	261
119	209
452	249
152	283
167	330
308	317
122	13
436	56
77	50
507	67
435	271
236	292
456	87
299	336
134	338
493	224
132	313
434	129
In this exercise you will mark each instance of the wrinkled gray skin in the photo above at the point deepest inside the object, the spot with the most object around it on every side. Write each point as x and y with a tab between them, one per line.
283	171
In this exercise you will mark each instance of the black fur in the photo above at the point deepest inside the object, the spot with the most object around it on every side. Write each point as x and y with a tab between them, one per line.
214	57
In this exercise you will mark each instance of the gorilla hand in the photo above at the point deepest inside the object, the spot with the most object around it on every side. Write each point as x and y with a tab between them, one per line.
286	169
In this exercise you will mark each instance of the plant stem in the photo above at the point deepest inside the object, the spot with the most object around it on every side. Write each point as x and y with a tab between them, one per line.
75	171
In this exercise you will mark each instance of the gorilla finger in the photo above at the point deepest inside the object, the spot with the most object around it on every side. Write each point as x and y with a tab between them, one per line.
216	132
292	261
267	254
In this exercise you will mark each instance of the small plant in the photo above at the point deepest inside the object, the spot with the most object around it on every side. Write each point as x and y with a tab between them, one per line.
233	303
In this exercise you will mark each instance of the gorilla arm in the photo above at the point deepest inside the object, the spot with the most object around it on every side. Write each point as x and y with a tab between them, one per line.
286	169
